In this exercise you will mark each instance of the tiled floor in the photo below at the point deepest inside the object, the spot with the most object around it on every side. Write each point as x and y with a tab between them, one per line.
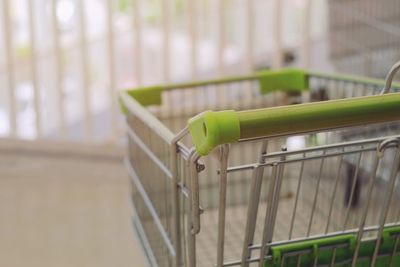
65	209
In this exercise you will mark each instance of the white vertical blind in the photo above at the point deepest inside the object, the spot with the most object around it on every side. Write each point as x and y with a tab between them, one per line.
34	75
193	16
277	35
137	33
155	36
58	70
111	69
85	69
306	34
250	29
221	10
8	43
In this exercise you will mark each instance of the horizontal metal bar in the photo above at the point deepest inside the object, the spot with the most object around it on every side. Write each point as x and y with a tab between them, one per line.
331	146
285	161
147	117
135	179
152	156
146	248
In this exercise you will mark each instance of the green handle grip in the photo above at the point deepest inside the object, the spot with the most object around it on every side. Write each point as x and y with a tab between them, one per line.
210	129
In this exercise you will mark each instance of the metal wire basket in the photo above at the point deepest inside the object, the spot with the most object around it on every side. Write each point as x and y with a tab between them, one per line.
261	182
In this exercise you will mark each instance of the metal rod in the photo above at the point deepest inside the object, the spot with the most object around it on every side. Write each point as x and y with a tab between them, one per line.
194	192
396	243
255	190
316	195
389	77
332	264
135	138
365	212
135	179
353	187
297	198
222	204
272	208
334	194
385	207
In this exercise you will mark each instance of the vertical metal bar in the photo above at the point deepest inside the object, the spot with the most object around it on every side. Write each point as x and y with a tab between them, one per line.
192	16
283	261
365	212
176	210
137	29
298	261
297	198
277	33
316	195
35	82
353	186
8	45
222	204
272	209
333	259
396	243
307	33
194	192
316	260
255	190
386	203
334	194
111	62
191	237
58	70
85	69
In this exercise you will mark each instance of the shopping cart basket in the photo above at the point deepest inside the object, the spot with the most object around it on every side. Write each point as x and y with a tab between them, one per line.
260	182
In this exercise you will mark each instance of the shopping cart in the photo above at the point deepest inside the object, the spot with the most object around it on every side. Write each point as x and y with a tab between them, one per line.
312	184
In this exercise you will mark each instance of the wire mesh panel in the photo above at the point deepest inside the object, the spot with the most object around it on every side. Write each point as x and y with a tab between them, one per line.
310	193
364	35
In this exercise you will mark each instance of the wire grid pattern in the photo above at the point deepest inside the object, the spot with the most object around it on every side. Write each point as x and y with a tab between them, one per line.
192	101
364	36
236	219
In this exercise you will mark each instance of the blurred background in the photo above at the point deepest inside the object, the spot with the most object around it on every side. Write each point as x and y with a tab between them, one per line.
63	189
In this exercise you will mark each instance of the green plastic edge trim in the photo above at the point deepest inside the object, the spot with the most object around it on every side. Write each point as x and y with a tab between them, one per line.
210	129
314	245
147	96
287	79
342	254
270	80
293	80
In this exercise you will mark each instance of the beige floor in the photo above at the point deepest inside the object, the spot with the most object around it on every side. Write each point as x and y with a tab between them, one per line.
64	206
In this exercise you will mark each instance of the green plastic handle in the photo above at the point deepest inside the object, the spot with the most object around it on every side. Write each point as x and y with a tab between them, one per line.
210	129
